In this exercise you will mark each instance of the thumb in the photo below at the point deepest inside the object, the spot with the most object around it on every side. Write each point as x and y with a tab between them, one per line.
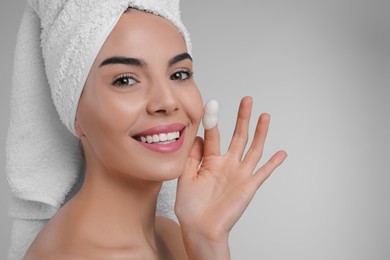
195	157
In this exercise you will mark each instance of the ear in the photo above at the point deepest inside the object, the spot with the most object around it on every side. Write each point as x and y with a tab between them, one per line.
78	129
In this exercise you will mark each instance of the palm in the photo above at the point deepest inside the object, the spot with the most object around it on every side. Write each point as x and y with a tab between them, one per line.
212	197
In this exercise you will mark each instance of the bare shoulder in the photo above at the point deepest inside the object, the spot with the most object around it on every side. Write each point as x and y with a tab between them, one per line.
55	241
41	252
57	256
170	238
43	244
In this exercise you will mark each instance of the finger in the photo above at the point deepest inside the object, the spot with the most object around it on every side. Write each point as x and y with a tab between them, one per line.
212	142
265	171
240	135
210	114
195	157
211	134
255	151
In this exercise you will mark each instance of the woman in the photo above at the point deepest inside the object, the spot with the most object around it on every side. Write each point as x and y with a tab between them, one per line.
137	120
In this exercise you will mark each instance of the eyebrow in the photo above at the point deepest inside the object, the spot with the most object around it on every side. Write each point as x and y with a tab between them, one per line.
141	63
178	58
123	60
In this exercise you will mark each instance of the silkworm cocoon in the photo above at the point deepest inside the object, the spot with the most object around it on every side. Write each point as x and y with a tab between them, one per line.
210	115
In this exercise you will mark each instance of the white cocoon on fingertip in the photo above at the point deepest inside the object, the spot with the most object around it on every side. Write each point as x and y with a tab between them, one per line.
210	114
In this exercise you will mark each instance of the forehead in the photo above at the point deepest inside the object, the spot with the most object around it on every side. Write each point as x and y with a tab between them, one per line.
142	34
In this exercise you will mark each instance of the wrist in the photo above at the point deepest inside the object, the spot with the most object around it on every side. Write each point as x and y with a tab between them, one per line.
205	230
201	246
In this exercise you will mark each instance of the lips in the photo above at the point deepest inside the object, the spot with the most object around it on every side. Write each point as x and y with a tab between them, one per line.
163	139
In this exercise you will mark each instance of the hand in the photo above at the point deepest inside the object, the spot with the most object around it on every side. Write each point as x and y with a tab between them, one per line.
215	189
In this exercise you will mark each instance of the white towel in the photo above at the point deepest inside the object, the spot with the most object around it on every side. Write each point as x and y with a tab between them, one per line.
57	43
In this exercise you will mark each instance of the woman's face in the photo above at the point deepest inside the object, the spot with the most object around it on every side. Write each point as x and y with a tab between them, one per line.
140	108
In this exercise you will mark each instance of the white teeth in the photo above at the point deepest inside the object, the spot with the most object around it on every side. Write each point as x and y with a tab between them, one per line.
160	138
171	136
163	137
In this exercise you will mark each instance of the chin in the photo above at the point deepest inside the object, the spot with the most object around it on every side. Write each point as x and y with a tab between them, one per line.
169	170
162	166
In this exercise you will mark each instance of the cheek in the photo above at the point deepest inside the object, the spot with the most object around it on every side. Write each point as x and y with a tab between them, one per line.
195	106
191	100
115	113
106	118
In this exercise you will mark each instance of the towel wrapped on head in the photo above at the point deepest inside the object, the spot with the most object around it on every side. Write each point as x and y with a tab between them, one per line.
57	43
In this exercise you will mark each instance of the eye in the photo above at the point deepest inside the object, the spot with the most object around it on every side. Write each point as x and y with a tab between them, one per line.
181	75
124	81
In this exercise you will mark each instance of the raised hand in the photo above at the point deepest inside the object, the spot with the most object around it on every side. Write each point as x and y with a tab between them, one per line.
215	189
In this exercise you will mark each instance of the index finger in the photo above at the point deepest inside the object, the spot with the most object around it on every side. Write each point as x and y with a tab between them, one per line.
211	133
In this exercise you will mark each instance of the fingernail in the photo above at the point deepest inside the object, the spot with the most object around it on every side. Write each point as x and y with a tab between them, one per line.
210	115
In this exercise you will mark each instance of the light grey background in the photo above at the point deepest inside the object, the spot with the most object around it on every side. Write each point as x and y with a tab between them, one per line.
322	70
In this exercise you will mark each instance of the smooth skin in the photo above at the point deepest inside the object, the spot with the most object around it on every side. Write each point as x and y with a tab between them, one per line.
113	216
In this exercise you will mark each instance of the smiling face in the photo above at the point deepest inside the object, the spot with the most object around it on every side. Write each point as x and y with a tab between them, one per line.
140	108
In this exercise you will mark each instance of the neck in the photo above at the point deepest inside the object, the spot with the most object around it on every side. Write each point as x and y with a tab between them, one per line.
117	211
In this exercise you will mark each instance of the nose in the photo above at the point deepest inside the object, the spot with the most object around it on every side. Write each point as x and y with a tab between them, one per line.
162	99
